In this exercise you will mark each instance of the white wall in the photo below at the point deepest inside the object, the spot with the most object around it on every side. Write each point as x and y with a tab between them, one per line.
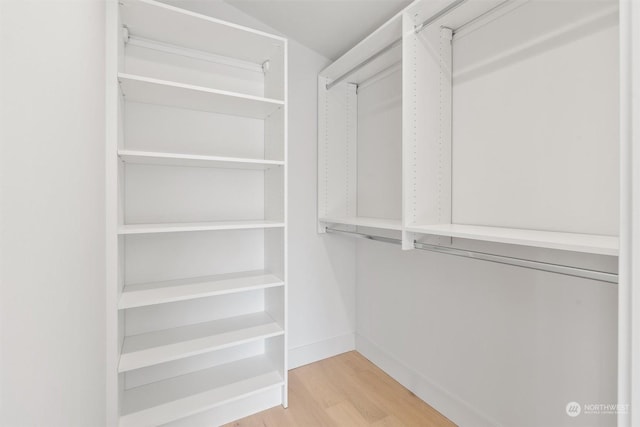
321	269
52	246
52	307
484	343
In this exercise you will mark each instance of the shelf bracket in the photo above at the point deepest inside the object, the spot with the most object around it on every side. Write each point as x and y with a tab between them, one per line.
408	239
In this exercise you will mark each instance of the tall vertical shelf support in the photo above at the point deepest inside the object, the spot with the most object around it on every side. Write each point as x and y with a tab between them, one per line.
337	150
426	136
196	197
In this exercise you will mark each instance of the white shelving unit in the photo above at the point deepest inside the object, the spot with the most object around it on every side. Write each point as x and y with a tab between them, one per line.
456	173
196	170
359	140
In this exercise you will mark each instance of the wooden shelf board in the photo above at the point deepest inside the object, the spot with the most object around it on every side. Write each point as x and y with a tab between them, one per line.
198	226
145	294
388	224
153	348
168	400
192	160
173	94
161	22
596	244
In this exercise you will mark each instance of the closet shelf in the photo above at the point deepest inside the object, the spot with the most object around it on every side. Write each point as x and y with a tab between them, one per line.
364	52
173	94
152	348
168	400
197	226
161	22
145	294
191	160
588	243
361	221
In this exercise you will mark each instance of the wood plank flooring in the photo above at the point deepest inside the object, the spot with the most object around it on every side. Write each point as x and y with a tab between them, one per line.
346	390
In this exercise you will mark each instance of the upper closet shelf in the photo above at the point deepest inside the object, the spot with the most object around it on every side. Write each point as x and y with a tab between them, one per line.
198	226
153	20
588	243
376	53
161	92
360	221
191	160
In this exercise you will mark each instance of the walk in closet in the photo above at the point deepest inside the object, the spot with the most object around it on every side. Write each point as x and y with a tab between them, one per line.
197	143
336	213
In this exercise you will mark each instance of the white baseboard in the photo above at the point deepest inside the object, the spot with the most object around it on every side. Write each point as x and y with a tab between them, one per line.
444	402
309	353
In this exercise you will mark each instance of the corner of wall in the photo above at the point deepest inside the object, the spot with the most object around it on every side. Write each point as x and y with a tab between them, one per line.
449	405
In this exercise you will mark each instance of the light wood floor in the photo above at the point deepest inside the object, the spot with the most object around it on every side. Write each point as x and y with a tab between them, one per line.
346	390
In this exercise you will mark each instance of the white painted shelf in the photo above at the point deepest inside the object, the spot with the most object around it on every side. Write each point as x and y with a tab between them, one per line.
152	348
157	21
168	400
384	36
198	226
162	55
145	294
162	92
192	160
388	224
588	243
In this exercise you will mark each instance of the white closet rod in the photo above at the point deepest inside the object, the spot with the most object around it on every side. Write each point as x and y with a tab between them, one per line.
566	270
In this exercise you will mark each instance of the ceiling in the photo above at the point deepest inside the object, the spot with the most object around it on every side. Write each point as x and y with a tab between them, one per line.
330	27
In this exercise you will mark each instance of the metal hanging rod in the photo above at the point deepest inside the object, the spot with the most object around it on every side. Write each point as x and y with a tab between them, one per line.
566	270
395	43
372	58
439	14
489	13
133	40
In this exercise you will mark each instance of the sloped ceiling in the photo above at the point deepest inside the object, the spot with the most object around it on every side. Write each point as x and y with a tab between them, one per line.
330	27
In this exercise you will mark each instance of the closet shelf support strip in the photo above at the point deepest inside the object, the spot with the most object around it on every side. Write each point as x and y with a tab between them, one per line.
566	270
